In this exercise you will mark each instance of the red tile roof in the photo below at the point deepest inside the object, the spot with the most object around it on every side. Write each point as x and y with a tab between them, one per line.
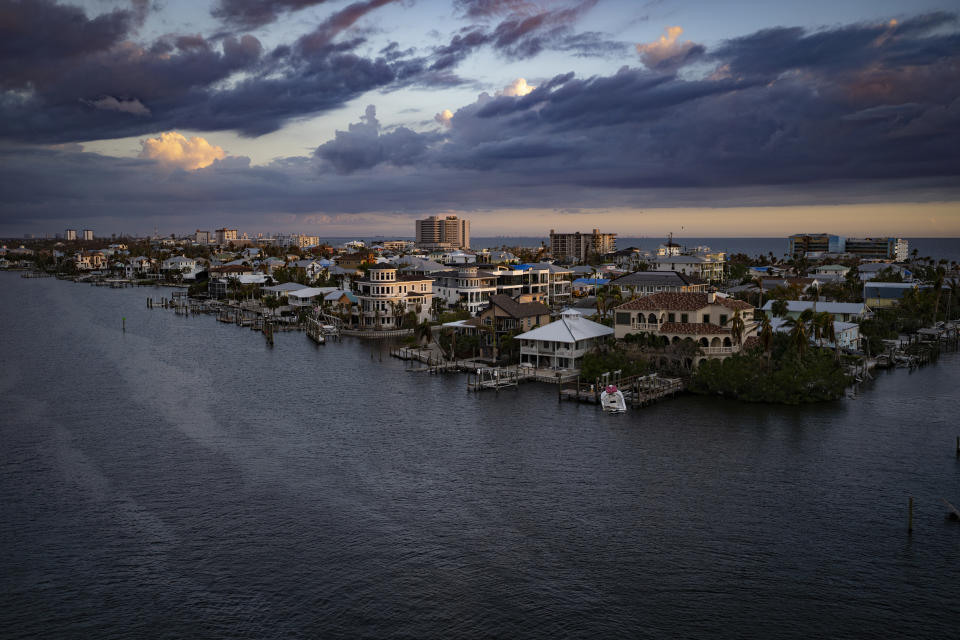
692	328
676	301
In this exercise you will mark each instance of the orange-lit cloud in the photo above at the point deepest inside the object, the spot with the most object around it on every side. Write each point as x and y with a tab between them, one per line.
667	51
172	149
445	117
518	88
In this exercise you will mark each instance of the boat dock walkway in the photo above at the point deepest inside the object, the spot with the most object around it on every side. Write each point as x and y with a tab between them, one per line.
638	391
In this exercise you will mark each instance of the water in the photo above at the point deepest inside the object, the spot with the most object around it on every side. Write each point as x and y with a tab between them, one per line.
183	479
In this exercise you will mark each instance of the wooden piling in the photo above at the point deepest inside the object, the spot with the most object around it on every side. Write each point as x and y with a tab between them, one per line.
910	517
124	325
958	447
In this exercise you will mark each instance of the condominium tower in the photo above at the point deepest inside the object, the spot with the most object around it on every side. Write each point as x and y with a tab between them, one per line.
443	232
581	246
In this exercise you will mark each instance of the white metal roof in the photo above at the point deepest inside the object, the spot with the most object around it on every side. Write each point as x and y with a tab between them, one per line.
570	328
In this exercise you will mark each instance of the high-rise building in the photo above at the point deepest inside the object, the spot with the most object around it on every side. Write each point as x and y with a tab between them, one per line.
70	234
580	247
883	248
226	235
202	237
443	232
88	234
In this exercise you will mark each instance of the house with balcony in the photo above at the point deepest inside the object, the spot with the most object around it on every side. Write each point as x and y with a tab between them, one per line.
706	266
384	297
467	286
505	315
645	283
562	343
704	317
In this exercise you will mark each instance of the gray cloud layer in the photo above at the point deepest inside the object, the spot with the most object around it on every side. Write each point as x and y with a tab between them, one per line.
784	115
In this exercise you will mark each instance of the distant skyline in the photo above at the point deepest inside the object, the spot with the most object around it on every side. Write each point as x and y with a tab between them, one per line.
335	118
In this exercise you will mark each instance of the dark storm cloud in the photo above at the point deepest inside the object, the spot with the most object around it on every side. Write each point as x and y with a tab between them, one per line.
38	36
256	13
526	31
90	82
802	118
772	51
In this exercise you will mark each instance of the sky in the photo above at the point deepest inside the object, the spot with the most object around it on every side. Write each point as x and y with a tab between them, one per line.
341	118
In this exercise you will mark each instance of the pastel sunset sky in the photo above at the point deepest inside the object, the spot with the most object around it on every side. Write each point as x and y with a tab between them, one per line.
335	118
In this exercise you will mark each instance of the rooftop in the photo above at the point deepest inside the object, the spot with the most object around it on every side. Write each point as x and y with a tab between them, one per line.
682	301
568	329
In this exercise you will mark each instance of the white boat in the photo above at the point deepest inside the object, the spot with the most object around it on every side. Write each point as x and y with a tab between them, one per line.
611	400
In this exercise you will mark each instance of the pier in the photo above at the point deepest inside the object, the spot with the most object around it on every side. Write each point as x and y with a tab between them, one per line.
638	391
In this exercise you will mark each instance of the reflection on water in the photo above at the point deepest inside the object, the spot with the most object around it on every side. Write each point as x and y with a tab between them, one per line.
185	479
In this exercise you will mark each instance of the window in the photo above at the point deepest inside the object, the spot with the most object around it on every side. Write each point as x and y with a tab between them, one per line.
723	319
671	317
622	318
706	318
684	318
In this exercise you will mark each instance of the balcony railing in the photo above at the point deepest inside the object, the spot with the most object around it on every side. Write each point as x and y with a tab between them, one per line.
644	326
715	351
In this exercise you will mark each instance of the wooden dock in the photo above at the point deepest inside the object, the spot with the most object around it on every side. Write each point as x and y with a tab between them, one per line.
638	391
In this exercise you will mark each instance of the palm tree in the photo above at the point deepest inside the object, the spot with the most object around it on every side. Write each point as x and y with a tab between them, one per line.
779	308
800	331
766	337
938	289
424	332
737	327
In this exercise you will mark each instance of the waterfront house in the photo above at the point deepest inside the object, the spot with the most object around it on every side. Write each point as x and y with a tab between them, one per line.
384	297
563	343
704	317
467	286
282	290
847	333
178	264
308	296
505	315
841	311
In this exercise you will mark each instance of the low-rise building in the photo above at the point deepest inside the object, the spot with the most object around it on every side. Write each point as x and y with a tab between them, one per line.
563	343
384	297
505	315
468	287
704	317
883	295
645	283
841	311
707	267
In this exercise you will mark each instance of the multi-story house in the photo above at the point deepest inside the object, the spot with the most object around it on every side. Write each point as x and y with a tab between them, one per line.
563	343
505	315
708	267
89	260
469	287
384	297
645	283
704	317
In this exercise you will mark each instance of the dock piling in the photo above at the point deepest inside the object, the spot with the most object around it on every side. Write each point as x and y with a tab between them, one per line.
124	325
910	517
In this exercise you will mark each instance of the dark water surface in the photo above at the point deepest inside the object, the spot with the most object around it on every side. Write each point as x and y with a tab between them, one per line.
185	480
